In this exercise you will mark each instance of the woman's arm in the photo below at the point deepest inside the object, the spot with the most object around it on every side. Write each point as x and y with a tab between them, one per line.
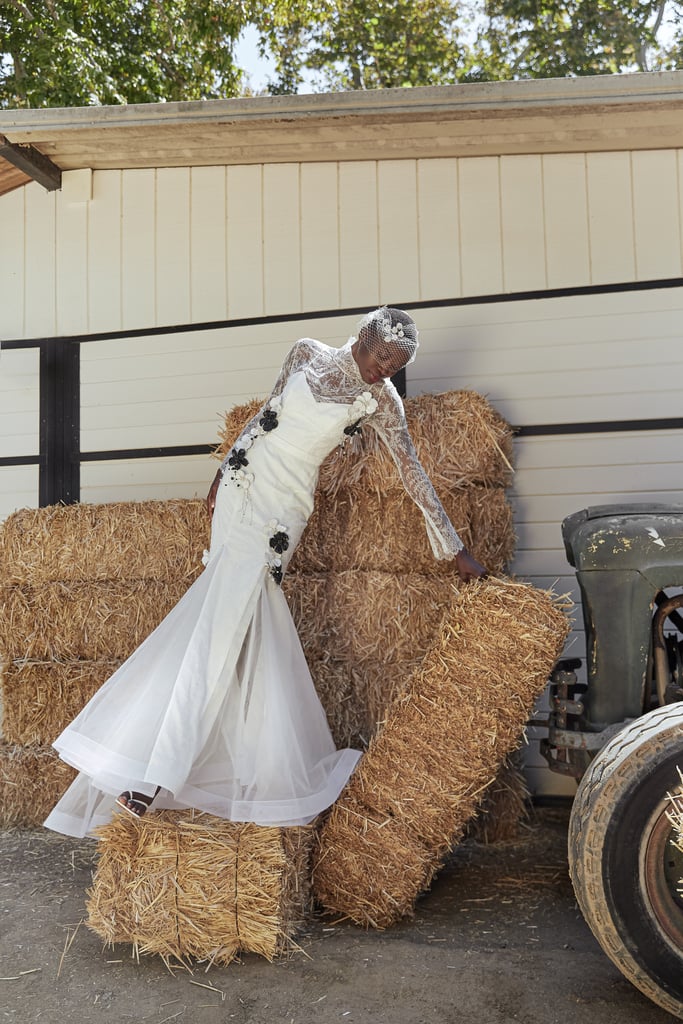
389	423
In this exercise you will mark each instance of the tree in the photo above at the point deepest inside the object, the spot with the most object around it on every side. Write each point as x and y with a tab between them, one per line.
546	39
80	52
354	44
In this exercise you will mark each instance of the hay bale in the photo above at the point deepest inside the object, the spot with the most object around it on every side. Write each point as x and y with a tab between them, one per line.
443	742
93	621
186	885
375	616
356	697
118	541
32	780
41	698
504	806
386	532
460	438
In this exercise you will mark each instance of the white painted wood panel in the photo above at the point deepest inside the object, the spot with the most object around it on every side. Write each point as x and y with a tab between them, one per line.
438	225
147	479
320	284
245	240
12	213
399	276
656	215
172	235
19	402
610	217
208	250
18	489
71	265
481	248
281	238
138	249
522	223
40	311
358	233
104	252
565	204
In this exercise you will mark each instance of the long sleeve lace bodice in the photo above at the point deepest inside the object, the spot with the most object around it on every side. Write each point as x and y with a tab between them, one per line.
333	376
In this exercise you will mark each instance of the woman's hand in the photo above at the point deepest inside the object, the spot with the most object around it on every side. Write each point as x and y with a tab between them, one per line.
213	491
468	567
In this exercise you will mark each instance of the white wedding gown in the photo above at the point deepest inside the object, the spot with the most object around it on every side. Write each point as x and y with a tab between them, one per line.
217	706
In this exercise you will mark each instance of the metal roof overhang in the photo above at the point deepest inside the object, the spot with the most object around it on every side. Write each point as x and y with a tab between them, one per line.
611	112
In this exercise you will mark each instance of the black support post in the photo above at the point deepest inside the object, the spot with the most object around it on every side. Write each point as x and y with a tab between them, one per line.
60	470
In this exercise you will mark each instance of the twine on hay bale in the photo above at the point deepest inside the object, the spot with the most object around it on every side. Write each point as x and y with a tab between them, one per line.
92	621
32	780
41	697
459	437
186	885
116	541
442	744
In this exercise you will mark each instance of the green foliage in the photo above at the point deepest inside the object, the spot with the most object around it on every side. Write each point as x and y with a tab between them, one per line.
71	53
544	39
80	52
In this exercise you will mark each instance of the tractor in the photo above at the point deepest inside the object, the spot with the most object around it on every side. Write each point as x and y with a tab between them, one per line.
619	733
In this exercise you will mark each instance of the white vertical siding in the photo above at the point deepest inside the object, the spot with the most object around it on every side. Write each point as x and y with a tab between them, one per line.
480	228
565	203
656	214
208	249
610	216
245	241
523	223
399	275
138	248
358	233
281	238
438	226
12	277
71	265
172	236
104	275
319	236
39	244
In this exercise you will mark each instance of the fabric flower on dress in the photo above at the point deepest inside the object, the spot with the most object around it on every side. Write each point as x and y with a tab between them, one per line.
278	543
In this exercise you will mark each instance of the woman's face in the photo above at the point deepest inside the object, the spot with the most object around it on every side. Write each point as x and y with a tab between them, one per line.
372	368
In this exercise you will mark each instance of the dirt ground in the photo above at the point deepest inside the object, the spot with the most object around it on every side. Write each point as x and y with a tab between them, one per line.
499	938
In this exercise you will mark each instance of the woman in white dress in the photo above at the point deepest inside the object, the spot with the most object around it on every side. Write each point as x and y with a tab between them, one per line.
216	709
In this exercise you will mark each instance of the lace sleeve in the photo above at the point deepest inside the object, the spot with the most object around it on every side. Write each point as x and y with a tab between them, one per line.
298	356
389	423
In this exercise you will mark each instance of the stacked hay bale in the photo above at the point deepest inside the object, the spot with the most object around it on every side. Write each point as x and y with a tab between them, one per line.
188	885
80	587
366	591
441	745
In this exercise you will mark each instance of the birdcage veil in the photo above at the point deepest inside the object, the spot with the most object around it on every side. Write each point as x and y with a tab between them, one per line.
389	333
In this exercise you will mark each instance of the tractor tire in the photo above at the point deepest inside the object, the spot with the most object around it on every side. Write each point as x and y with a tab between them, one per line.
625	871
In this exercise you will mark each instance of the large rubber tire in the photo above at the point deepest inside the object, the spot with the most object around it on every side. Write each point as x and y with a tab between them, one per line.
624	869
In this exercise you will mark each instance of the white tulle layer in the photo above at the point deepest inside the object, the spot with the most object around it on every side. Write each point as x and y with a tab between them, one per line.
234	728
217	706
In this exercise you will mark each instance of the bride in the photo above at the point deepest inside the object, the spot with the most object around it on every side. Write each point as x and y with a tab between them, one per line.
216	709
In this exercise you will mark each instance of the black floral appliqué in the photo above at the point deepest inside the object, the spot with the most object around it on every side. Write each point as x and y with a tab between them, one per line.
353	428
279	542
238	459
269	420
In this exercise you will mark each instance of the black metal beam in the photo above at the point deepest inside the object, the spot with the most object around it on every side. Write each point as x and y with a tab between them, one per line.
60	465
32	162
